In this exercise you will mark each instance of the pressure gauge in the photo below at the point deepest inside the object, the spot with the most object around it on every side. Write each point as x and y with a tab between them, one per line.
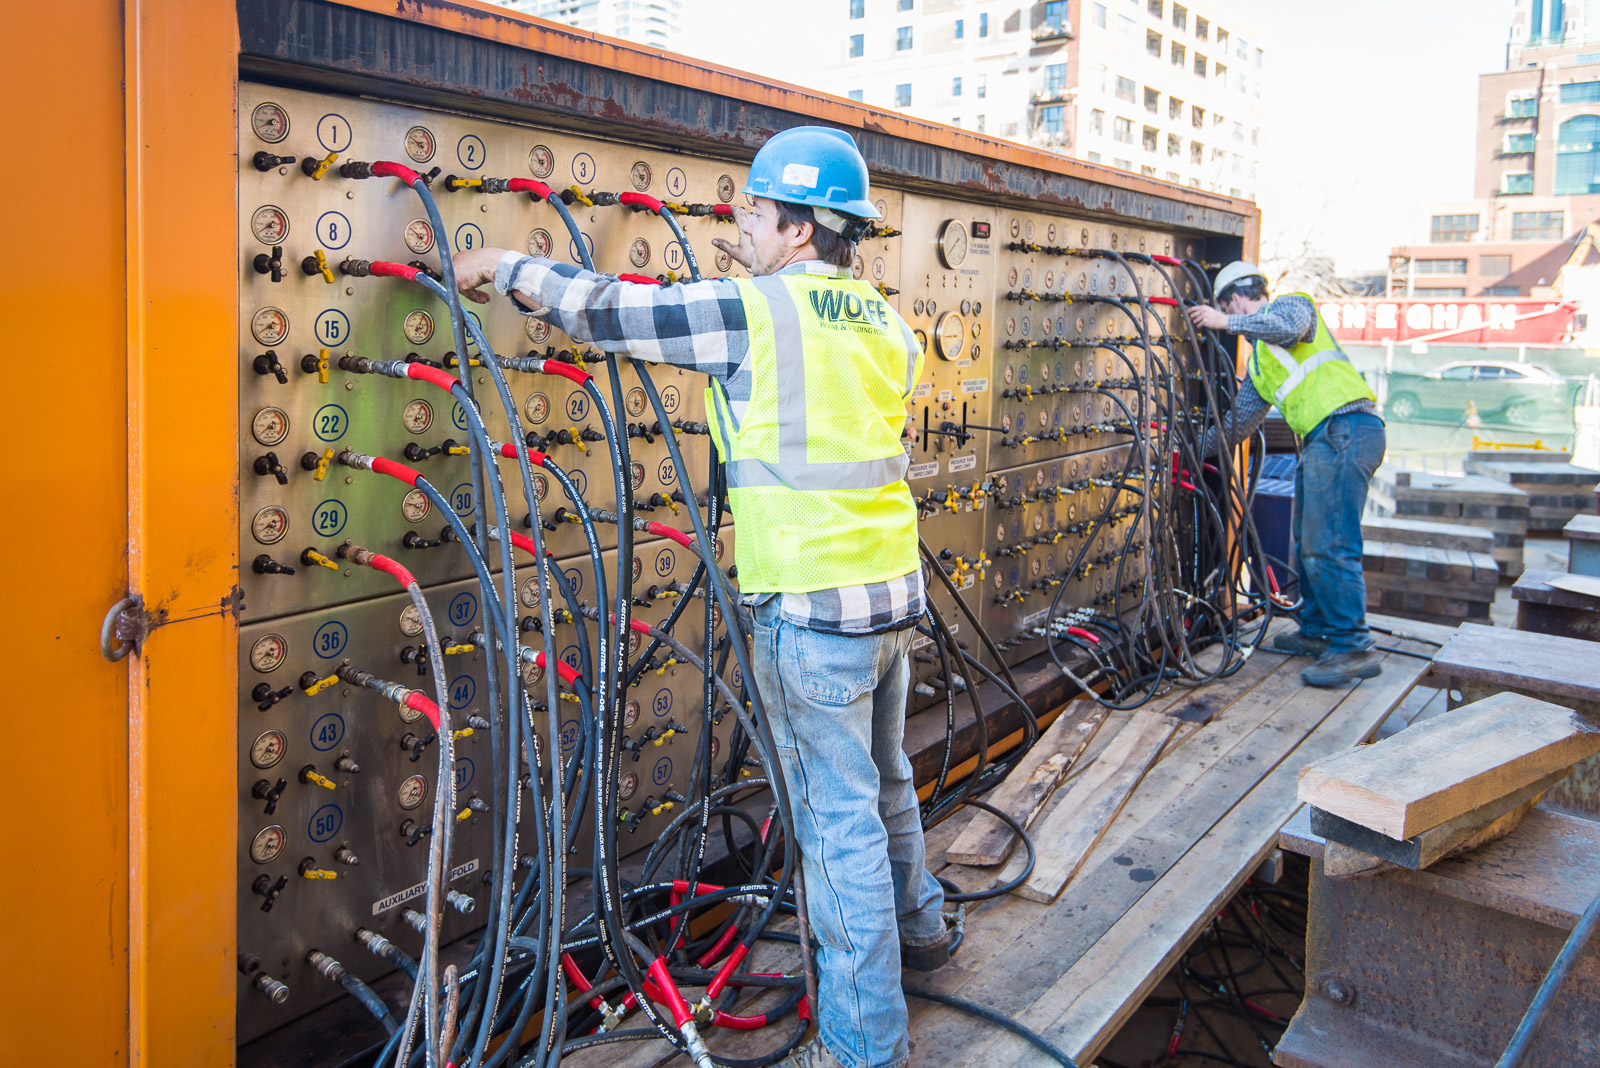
953	243
269	326
417	416
536	328
541	161
270	224
537	408
268	844
723	261
270	426
270	122
918	306
529	593
412	792
418	236
409	714
539	243
627	786
858	268
716	747
420	144
635	639
268	652
1000	532
1038	523
1049	279
417	327
637	469
716	615
268	749
1016	227
637	568
639	252
532	675
922	339
716	548
635	401
640	176
269	525
1044	372
950	333
414	506
541	487
410	621
725	188
931	307
630	713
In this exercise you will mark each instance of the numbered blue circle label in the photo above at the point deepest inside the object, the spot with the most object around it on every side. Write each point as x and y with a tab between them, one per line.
665	562
458	416
329	640
462	690
332	328
577	405
327	732
661	704
670	399
667	473
572	248
329	518
1022	373
878	268
736	680
463	608
583	167
461	500
580	482
1027	326
569	736
661	774
330	422
465	772
468	237
575	580
677	182
333	229
569	657
334	133
674	256
470	151
325	823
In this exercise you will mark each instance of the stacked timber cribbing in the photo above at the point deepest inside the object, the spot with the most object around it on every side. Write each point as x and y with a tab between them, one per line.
1557	489
1463	500
1432	535
1445	586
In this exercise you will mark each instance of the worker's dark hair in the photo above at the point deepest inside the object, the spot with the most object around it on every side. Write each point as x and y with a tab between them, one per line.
1250	288
830	245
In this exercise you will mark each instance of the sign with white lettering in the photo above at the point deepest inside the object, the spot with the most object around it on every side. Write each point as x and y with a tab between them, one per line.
1448	322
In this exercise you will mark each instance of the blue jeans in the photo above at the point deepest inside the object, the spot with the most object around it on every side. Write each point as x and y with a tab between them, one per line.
837	708
1330	493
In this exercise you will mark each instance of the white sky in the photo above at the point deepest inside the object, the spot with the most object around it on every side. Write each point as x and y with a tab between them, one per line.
1373	103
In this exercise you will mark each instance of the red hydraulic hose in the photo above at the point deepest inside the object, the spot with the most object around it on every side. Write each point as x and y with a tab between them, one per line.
379	562
528	185
686	540
641	200
387	169
722	209
418	702
389	269
423	373
535	457
639	279
384	466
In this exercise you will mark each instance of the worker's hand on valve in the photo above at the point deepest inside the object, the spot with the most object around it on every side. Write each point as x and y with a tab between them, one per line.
474	269
745	251
1205	316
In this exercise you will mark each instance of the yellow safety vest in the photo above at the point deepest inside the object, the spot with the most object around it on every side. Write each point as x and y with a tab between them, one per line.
816	470
1309	379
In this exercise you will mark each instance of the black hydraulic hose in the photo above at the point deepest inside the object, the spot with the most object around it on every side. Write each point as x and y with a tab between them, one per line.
1522	1039
970	1008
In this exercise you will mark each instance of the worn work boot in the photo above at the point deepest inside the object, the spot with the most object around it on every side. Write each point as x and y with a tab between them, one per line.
935	955
1298	643
1341	669
811	1055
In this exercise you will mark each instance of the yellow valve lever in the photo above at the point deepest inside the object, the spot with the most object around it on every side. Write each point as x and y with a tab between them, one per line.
463	814
316	688
467	183
672	277
579	197
457	450
322	364
322	465
676	209
321	780
322	167
665	806
464	732
326	272
568	697
319	873
314	557
464	647
668	733
673	505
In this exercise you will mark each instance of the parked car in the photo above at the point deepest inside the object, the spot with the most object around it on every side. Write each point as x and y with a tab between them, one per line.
1520	394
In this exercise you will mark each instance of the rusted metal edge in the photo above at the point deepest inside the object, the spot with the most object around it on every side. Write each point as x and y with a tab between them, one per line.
340	46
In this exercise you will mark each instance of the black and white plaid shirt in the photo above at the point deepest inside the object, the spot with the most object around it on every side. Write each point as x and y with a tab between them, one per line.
699	326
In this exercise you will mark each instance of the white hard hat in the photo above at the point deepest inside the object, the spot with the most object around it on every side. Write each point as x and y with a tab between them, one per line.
1234	274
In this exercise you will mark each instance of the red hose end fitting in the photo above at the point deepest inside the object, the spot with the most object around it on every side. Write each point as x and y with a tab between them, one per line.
729	966
638	625
379	562
1079	632
529	185
639	279
565	370
384	466
523	542
386	269
1168	261
722	209
387	169
662	530
417	702
669	992
643	200
433	375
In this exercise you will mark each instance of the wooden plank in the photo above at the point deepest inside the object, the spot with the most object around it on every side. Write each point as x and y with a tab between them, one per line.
1419	532
987	841
1091	804
1434	771
1545	664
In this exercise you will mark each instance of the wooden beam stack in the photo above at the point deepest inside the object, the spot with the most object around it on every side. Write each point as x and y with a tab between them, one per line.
1462	500
1445	586
1557	489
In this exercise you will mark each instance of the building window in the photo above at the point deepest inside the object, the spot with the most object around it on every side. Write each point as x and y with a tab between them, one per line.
1097	121
1180	54
1578	155
1452	228
1147	170
1197	153
857	95
1126	27
1219	71
1494	266
1202	28
1122	130
902	5
858	9
1125	88
1152	99
1241	49
1502	291
1222	39
1261	58
1052	120
1094	157
1537	225
1123	164
983	120
955	86
1174	108
1200	64
1516	184
1151	138
1174	145
1526	107
983	24
1155	7
858	45
1055	15
1440	293
961	29
1439	266
983	86
1055	80
1100	16
1242	82
1180	17
902	95
1197	117
1152	43
1518	144
902	39
1580	93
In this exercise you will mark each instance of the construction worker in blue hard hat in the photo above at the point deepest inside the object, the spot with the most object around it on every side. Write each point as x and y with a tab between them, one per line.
811	371
1297	366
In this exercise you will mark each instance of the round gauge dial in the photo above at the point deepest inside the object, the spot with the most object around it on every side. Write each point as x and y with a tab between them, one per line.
637	568
922	339
532	675
418	327
270	122
949	334
953	243
418	236
725	188
541	161
537	408
539	242
270	426
966	307
1016	228
931	307
269	326
410	621
638	473
268	844
414	506
630	713
716	615
537	329
636	402
918	306
269	525
268	652
417	416
268	749
716	548
409	714
858	268
412	792
724	262
640	176
270	224
529	594
420	144
639	252
627	786
541	487
635	639
716	747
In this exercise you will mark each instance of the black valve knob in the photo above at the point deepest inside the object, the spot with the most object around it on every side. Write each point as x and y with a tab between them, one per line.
413	540
346	765
412	831
264	790
270	265
417	745
268	889
268	464
266	161
589	434
266	565
266	696
267	364
415	452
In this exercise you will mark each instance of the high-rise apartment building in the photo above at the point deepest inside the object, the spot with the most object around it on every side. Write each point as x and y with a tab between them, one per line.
1536	176
650	22
1170	90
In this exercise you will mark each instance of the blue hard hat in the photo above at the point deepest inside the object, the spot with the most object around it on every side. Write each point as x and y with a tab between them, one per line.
815	165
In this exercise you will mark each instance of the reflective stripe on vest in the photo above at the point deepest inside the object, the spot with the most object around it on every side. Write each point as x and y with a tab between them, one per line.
1308	380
